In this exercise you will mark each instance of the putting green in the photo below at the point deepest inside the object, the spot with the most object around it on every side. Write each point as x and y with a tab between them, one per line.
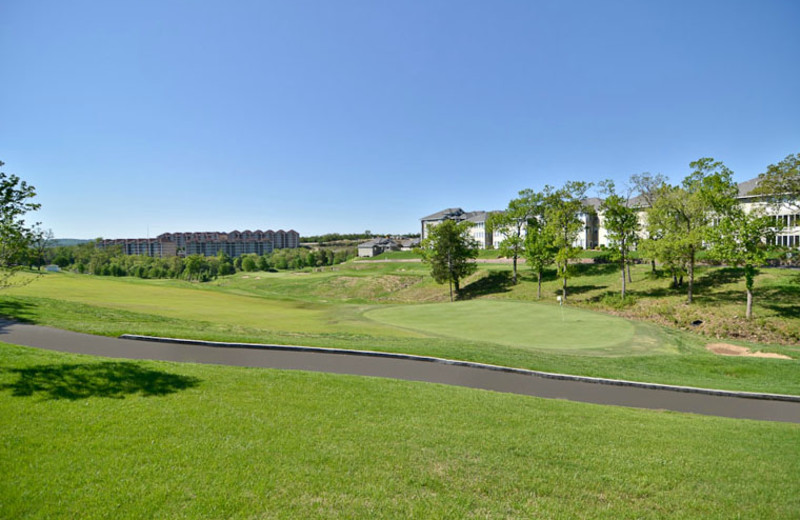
515	324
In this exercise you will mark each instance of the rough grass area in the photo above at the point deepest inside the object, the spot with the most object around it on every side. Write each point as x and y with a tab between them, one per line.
85	437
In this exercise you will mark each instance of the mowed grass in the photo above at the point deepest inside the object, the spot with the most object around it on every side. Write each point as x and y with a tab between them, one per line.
86	437
180	300
520	325
299	309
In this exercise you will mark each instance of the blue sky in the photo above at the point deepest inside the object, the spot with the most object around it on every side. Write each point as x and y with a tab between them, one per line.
141	117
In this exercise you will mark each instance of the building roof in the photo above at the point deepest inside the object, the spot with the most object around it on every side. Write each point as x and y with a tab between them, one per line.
445	213
748	186
409	242
639	201
476	216
381	241
593	202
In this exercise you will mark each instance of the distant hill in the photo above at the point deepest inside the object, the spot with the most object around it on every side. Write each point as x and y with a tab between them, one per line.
58	242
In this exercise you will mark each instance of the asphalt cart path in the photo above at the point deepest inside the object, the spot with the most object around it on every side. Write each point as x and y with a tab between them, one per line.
769	407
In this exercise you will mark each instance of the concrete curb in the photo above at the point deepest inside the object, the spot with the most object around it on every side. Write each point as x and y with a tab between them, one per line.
482	366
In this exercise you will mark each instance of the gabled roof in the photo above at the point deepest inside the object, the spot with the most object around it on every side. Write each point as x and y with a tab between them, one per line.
747	186
638	201
409	242
593	202
445	213
476	216
378	242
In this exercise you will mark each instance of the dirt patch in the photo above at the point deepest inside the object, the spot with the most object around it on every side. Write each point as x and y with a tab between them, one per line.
726	349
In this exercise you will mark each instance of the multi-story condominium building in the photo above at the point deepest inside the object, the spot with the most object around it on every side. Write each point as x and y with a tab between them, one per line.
594	234
478	230
786	214
485	238
234	243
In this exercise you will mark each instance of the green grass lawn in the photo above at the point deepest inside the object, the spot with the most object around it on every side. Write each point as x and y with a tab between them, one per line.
519	324
86	437
346	307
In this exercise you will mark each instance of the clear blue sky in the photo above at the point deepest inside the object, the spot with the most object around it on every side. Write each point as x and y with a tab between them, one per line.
137	117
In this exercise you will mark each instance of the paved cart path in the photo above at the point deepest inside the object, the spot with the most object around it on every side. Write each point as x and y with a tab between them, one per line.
414	368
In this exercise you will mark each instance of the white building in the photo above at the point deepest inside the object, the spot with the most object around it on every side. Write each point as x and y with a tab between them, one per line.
787	214
477	220
594	233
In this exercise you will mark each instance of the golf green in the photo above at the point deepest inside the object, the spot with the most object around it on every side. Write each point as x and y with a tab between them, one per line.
515	324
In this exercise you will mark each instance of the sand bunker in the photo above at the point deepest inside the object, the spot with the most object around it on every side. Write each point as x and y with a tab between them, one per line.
726	349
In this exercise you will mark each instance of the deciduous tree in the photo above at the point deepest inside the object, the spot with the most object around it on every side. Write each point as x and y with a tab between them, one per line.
15	234
742	239
781	182
648	186
681	215
540	250
564	209
450	251
510	224
622	225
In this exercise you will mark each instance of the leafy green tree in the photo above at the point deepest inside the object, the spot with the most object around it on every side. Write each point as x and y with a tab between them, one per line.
194	266
781	182
511	225
648	186
742	239
539	249
450	251
15	234
63	256
621	223
249	263
564	209
225	263
682	215
40	241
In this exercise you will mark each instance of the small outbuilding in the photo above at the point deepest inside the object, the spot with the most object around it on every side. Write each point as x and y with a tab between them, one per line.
377	246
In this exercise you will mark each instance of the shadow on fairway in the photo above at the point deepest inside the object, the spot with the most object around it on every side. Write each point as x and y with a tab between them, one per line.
579	289
16	310
494	282
781	301
112	379
594	269
719	277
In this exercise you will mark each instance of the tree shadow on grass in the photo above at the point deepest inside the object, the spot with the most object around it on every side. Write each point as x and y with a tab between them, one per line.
16	310
781	301
594	269
579	289
722	276
494	282
111	379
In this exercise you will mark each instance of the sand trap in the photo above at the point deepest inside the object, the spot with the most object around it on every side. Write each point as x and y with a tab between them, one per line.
726	349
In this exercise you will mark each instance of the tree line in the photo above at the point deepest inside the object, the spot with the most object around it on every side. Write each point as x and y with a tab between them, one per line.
701	213
88	258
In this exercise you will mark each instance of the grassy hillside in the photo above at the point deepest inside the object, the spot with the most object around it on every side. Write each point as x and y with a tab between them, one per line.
85	437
